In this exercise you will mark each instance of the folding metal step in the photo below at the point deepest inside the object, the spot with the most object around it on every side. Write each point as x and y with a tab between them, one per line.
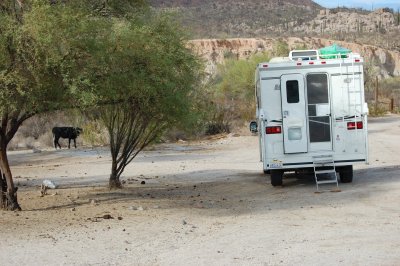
324	171
324	165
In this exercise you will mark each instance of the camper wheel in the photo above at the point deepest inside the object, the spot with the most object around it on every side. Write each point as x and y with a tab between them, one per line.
276	177
267	172
346	174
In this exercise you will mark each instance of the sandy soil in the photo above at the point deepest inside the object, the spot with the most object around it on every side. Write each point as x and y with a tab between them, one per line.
203	203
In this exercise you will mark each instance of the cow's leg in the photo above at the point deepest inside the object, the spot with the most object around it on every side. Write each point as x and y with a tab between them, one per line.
69	143
56	143
75	143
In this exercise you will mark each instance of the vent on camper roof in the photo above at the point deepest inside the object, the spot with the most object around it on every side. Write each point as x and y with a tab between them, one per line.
303	55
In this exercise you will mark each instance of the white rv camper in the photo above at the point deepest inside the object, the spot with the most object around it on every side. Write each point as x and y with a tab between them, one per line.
311	115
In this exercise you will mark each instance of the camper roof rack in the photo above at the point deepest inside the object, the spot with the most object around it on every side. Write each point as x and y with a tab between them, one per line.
304	55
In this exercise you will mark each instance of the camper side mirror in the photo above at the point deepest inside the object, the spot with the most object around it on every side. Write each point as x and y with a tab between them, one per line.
253	127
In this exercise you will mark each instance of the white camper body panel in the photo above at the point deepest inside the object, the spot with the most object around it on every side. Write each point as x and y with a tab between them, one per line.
320	108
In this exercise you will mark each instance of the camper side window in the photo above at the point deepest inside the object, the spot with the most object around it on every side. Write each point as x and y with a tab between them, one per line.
292	91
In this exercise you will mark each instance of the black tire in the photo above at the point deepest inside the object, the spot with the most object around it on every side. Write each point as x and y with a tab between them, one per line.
267	172
346	174
276	177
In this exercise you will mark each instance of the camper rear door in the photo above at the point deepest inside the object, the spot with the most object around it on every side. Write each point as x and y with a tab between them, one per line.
294	119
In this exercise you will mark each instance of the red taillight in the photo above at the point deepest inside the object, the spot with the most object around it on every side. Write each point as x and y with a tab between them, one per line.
273	130
299	64
265	65
323	62
357	60
311	63
352	125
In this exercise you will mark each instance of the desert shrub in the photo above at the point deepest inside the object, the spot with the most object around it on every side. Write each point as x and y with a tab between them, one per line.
230	94
280	48
300	46
379	110
228	54
95	133
388	89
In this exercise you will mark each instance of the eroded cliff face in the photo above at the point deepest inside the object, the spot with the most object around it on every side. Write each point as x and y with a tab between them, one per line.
214	51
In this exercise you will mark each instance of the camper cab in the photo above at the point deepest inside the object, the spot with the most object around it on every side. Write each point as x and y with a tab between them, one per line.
310	109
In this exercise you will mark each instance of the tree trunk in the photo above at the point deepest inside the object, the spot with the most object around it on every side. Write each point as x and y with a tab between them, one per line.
114	182
9	199
3	191
114	177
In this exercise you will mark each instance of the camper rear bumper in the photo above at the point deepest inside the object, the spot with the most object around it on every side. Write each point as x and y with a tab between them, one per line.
308	164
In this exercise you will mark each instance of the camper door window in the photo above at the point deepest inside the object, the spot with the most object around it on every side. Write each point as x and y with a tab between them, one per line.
317	88
292	91
318	108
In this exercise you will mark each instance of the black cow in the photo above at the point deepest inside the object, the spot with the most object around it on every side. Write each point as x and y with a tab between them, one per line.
65	133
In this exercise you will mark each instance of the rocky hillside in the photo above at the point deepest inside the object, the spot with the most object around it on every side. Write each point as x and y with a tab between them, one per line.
278	18
236	18
300	23
381	27
379	21
385	62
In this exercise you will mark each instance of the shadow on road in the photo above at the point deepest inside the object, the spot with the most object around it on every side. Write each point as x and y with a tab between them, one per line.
240	192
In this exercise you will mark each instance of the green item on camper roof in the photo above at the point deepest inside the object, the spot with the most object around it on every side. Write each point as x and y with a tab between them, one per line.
333	51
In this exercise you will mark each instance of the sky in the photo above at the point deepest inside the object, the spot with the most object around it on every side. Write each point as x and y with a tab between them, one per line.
365	4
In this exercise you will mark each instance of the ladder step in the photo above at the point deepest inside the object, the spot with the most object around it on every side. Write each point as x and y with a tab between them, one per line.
325	161
325	171
326	181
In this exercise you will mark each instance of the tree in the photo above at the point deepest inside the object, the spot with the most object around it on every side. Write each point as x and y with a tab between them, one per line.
64	54
30	82
43	50
145	85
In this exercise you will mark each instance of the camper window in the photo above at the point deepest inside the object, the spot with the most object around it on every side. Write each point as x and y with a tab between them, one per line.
318	108
317	88
292	91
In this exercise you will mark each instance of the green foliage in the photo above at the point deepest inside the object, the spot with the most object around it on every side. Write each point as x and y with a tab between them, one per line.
380	110
299	46
281	48
228	54
390	86
43	53
143	81
231	93
146	64
113	54
371	71
94	133
388	90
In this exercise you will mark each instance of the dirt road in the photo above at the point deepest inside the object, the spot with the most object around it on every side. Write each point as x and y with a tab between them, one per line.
203	203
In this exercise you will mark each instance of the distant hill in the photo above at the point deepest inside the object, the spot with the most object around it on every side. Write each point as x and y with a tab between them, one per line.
223	19
237	18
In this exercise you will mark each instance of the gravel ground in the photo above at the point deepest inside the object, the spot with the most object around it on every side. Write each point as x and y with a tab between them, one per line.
202	203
